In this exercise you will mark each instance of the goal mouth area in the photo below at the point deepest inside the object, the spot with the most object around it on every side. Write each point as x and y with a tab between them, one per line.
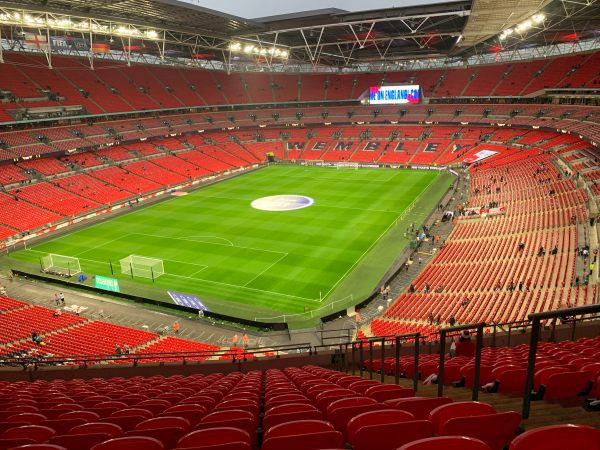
142	267
62	265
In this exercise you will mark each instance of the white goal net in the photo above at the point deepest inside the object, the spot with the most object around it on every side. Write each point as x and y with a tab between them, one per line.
61	264
347	165
142	266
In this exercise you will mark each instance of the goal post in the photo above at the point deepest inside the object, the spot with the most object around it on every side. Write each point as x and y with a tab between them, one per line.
347	165
60	264
142	267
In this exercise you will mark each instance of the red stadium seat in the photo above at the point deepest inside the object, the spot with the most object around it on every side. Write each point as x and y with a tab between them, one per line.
560	386
440	415
168	436
97	427
80	441
36	432
164	422
558	437
446	443
419	407
496	430
129	443
26	417
214	436
385	392
386	429
6	444
39	447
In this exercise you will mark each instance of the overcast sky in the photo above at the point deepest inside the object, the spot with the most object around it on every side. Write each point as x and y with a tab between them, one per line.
250	9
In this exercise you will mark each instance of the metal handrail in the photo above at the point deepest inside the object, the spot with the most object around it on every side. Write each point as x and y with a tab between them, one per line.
536	325
136	358
444	332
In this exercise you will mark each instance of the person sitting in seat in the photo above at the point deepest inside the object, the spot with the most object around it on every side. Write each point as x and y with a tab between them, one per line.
541	251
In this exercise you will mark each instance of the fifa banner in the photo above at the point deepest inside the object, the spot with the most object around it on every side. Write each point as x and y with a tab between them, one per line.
480	155
65	43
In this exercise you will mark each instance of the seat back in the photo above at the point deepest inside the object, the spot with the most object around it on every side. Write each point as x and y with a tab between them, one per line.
496	430
213	436
6	444
512	381
558	437
98	427
125	422
340	417
271	419
290	408
164	422
168	436
419	407
440	415
385	392
26	417
299	427
541	376
349	402
147	414
88	416
446	443
129	443
80	441
308	441
565	385
389	436
62	426
35	432
378	417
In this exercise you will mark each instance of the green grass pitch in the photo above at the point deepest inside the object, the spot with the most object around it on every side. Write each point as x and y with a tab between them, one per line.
259	264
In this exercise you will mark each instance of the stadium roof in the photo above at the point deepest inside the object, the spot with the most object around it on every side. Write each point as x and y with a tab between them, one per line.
331	37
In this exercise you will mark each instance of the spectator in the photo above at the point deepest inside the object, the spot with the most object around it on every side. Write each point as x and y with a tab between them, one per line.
126	349
245	339
57	312
554	250
118	351
464	346
61	297
452	321
431	318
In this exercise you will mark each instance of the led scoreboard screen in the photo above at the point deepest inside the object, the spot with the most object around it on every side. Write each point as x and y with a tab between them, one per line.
394	95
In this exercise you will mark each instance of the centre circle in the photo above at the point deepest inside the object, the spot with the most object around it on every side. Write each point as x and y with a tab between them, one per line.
282	202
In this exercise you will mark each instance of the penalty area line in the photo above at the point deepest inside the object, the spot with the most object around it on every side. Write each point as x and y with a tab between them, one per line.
205	280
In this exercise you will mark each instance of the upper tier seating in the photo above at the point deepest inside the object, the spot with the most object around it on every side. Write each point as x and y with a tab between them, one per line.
143	87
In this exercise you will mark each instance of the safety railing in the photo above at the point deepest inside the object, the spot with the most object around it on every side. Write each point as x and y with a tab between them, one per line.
537	320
